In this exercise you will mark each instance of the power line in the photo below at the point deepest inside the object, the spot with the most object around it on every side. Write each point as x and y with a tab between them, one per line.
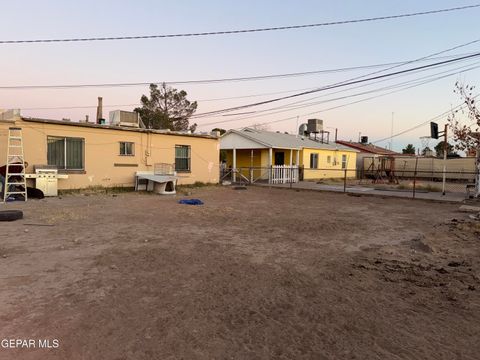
425	122
304	103
415	81
242	31
68	107
74	107
396	66
240	79
338	85
343	105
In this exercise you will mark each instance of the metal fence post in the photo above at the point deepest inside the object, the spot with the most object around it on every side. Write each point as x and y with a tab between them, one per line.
290	176
415	177
345	181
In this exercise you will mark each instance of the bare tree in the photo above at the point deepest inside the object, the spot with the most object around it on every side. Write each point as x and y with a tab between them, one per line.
467	137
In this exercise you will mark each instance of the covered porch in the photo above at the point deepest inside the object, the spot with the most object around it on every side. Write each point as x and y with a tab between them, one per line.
267	164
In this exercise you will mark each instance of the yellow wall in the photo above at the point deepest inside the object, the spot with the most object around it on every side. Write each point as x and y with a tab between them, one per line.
260	157
245	161
102	153
327	170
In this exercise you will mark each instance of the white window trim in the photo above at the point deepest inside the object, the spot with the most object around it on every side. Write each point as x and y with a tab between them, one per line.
126	142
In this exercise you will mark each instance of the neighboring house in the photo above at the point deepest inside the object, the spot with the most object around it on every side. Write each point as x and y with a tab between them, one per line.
108	155
369	161
368	152
261	150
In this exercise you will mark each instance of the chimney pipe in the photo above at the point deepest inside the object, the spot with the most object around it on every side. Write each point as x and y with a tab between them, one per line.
336	132
99	109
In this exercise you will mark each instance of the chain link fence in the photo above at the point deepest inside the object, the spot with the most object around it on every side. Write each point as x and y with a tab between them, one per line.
461	183
423	183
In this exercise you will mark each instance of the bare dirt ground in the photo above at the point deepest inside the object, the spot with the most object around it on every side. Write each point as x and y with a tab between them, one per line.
256	274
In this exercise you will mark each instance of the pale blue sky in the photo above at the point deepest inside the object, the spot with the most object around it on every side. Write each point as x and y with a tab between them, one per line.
232	56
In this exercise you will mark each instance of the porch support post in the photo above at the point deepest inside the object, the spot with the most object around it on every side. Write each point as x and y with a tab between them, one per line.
270	153
297	163
251	166
234	167
291	157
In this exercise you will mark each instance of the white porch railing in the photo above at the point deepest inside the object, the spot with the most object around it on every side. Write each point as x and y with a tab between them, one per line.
283	174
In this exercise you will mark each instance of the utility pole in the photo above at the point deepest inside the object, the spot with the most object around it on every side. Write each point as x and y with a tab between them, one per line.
445	150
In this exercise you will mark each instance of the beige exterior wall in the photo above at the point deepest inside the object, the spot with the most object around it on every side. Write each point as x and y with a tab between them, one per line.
104	166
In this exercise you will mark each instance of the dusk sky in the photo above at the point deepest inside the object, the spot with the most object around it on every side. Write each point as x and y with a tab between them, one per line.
238	55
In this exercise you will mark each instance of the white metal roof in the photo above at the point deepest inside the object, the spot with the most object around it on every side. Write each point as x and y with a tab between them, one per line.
269	139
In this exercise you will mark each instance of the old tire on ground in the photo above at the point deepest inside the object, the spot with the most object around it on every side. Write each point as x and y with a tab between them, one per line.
10	215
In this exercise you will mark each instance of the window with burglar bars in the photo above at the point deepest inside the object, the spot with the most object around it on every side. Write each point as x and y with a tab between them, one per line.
344	161
126	148
66	153
182	158
313	161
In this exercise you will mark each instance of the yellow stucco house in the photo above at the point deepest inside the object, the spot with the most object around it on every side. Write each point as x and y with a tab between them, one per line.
255	154
109	155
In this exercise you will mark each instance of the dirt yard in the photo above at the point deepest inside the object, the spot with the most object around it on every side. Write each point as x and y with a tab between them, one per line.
256	274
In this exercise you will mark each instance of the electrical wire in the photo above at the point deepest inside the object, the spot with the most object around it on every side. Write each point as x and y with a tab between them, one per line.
412	83
345	105
242	31
338	85
341	83
295	105
245	78
460	106
346	82
252	95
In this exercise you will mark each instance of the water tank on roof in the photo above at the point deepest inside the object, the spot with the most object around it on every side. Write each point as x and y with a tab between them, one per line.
364	139
315	125
302	129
